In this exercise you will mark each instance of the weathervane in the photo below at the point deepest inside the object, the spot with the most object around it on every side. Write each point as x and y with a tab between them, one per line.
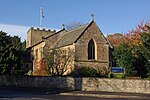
92	15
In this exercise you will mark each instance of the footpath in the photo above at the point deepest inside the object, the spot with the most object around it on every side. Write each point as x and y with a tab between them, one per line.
130	96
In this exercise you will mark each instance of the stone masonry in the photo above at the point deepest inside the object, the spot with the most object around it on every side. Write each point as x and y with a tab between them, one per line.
83	84
40	42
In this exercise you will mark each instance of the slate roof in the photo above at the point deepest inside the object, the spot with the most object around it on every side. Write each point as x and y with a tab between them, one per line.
70	36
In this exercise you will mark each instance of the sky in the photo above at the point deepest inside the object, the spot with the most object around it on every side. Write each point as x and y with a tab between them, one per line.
112	16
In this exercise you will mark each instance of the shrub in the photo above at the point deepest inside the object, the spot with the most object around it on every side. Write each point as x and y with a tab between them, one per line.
117	75
110	75
19	72
30	73
103	72
84	71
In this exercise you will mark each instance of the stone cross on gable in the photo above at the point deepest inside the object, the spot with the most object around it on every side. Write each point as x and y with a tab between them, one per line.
92	15
63	26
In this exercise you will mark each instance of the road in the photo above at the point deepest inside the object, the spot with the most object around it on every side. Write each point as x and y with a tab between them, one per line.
13	93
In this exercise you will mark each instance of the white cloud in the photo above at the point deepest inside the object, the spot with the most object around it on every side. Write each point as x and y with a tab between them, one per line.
14	30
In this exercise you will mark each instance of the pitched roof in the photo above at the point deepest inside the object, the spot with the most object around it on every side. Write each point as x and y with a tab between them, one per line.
71	36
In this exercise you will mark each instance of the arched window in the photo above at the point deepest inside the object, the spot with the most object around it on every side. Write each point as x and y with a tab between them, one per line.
91	50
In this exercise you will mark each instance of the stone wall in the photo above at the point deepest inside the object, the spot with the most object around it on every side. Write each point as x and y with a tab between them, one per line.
38	81
84	84
116	85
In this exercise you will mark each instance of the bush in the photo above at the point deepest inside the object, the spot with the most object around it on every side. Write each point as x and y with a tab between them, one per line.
84	72
19	72
117	75
30	73
103	72
110	75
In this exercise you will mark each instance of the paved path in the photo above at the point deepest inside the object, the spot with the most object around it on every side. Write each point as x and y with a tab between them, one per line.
109	95
13	93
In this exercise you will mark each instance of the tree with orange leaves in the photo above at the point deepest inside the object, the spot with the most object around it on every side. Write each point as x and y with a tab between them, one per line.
115	39
131	37
134	56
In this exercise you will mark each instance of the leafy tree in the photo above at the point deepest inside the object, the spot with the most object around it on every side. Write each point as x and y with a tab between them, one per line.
128	46
145	38
115	39
4	51
124	58
10	53
139	63
131	37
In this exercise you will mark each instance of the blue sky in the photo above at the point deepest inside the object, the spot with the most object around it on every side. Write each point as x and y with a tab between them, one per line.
17	16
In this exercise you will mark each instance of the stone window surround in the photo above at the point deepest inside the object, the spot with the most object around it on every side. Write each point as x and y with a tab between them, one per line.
94	58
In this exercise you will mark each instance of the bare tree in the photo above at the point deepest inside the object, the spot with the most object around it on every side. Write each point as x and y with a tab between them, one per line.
58	61
73	25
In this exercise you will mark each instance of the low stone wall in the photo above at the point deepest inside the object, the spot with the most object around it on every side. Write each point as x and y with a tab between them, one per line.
84	84
116	85
38	81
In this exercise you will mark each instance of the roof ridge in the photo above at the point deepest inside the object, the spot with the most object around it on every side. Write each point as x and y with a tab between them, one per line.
75	35
109	42
54	33
77	28
73	30
84	29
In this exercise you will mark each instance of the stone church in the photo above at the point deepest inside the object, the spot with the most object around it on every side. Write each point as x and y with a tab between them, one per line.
91	48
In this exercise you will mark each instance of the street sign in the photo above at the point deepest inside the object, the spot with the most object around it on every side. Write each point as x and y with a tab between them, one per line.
117	70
